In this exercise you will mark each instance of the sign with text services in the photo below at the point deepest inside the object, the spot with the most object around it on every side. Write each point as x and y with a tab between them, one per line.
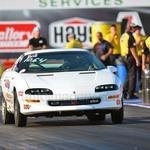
70	4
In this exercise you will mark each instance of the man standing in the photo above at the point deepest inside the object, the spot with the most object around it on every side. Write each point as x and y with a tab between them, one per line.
139	39
103	49
37	42
146	55
131	60
114	39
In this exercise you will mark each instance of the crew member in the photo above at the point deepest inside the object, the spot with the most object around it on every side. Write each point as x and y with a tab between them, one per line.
131	60
73	42
37	42
114	39
103	49
146	55
139	39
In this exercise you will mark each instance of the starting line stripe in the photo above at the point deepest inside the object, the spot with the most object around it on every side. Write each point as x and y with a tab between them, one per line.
138	105
136	102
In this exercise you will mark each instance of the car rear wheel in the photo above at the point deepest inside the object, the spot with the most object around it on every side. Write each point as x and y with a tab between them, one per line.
117	116
92	117
7	117
20	119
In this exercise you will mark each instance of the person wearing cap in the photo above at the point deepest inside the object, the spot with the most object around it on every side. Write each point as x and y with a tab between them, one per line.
37	42
114	39
103	49
139	39
131	60
146	54
73	42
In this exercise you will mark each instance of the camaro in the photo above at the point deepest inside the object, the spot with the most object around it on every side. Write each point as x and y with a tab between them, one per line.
60	82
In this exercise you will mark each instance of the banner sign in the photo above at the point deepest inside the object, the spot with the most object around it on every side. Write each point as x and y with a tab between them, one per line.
15	35
59	30
70	4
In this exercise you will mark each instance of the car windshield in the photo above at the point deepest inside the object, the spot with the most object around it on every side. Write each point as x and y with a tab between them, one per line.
59	62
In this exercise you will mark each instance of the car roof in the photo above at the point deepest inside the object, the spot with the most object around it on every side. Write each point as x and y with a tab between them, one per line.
53	50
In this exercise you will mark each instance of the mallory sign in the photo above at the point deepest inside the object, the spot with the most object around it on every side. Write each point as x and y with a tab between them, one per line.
15	35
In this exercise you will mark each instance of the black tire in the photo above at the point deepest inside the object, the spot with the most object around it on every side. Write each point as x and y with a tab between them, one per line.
117	116
93	117
7	117
20	119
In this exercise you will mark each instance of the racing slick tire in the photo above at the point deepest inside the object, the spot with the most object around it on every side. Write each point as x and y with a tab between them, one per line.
92	117
7	117
117	116
20	119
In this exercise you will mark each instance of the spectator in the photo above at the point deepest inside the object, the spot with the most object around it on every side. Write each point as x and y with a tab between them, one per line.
37	42
114	39
139	39
146	54
131	60
103	49
73	42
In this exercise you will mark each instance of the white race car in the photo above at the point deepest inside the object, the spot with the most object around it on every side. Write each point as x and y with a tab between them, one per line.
60	82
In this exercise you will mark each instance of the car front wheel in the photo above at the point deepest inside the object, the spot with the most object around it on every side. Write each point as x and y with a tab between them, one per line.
7	117
20	119
117	116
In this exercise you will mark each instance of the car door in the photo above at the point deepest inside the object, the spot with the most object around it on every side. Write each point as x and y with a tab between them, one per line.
7	82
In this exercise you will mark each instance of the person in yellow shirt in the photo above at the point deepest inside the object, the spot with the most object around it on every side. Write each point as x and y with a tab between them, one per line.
114	39
146	54
131	61
139	40
73	42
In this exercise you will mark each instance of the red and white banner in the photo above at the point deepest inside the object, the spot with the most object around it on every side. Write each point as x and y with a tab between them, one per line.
15	35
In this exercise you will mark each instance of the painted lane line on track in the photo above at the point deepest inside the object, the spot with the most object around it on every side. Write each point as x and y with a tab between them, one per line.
136	102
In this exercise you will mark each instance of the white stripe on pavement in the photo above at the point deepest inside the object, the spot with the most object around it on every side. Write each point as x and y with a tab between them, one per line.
136	102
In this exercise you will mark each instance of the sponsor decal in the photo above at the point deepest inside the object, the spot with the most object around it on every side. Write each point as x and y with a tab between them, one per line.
26	106
8	96
20	93
7	83
58	31
15	35
118	102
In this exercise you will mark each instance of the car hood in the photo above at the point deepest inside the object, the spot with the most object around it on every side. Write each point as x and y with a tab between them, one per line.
70	81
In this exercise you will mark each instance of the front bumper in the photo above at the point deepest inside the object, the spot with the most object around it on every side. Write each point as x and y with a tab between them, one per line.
41	104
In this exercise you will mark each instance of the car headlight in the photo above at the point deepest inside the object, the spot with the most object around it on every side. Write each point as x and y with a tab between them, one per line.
39	91
106	87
